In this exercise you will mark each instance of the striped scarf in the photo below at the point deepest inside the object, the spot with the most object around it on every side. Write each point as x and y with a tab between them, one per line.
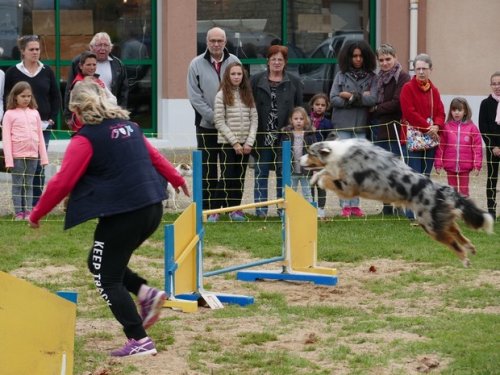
384	77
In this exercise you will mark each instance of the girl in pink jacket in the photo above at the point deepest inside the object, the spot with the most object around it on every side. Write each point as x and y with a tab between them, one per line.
460	148
23	145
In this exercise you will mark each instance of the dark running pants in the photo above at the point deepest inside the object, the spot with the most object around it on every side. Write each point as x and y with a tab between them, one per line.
232	182
115	239
492	163
207	144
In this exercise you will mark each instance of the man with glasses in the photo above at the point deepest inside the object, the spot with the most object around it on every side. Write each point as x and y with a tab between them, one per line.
109	68
204	74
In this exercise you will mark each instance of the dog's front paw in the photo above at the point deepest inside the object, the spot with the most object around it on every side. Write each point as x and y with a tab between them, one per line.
321	184
314	179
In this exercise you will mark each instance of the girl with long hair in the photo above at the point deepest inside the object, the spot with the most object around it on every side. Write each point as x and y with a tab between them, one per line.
236	123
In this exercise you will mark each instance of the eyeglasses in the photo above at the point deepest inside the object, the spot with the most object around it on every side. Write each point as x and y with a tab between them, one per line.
277	59
421	69
216	41
495	84
102	45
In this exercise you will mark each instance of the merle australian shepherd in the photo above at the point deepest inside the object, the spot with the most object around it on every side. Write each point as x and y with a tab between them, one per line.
356	167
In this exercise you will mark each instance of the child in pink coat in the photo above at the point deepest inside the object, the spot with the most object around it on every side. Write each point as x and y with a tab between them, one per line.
460	148
23	145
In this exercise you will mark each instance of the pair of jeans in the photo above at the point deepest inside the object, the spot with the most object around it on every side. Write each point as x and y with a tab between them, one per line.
22	183
395	147
266	159
347	134
304	185
421	162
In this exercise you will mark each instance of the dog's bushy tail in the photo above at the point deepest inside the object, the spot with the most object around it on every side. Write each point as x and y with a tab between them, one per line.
473	216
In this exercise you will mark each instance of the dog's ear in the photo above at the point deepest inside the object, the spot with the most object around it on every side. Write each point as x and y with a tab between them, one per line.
324	151
319	149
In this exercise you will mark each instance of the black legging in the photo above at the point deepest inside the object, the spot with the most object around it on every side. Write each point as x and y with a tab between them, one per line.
492	163
115	239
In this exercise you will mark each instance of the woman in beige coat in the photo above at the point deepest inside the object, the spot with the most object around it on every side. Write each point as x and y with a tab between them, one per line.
236	122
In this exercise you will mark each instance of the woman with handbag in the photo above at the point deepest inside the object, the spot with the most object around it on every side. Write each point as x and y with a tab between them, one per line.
423	111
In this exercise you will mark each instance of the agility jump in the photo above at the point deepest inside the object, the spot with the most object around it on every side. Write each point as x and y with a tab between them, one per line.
38	328
184	248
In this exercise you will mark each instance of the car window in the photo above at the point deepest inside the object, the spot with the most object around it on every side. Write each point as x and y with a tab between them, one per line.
337	45
320	53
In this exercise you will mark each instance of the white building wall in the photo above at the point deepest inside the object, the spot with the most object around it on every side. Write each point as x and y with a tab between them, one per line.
176	124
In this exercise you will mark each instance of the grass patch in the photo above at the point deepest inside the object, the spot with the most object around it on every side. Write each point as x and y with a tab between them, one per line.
475	298
426	304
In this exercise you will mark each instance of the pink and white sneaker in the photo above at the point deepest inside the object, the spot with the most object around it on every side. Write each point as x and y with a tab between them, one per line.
356	211
150	307
346	212
135	348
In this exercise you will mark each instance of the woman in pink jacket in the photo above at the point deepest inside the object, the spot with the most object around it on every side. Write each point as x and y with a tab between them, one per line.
23	144
460	149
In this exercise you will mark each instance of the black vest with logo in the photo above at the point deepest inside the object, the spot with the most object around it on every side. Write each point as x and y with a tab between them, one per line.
120	176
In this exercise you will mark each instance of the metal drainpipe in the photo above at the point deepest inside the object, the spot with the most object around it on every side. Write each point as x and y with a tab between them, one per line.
413	32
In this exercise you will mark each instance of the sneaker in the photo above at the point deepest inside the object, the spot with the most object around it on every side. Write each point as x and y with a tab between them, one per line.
19	216
237	216
261	214
213	218
150	307
346	212
321	213
356	211
27	214
135	348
